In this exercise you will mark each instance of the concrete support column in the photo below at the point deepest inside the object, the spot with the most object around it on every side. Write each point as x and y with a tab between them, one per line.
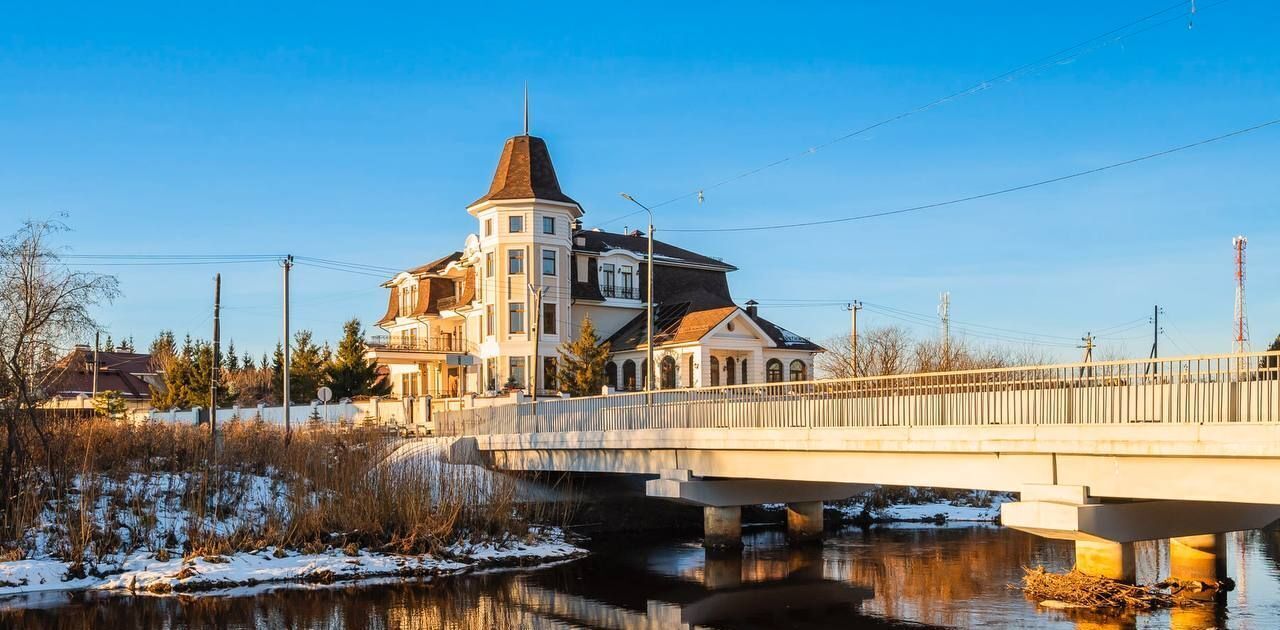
722	527
1106	559
804	522
1202	557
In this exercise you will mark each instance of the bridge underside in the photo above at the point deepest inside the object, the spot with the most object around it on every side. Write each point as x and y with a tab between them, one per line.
1103	486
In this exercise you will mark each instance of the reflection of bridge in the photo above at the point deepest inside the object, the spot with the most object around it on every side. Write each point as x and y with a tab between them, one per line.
1103	453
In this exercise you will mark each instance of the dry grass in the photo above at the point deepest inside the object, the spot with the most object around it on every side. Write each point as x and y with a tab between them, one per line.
1077	589
327	489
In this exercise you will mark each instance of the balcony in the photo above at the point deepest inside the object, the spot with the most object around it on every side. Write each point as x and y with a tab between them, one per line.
617	291
415	344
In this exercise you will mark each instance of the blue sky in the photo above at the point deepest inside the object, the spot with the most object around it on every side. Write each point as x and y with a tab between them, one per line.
361	133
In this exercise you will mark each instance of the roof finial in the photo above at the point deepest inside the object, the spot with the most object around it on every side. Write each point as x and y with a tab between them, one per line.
526	108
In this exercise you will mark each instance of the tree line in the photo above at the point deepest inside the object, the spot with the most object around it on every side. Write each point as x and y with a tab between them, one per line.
186	369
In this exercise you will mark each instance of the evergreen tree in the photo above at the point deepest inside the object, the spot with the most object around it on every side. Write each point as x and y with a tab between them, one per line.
350	374
110	404
127	345
107	345
233	360
581	366
306	369
246	362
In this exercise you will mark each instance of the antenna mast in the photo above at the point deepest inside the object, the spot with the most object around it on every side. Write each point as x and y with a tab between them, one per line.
944	314
1242	320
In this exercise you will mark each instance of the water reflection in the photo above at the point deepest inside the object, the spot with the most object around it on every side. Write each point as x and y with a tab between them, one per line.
880	578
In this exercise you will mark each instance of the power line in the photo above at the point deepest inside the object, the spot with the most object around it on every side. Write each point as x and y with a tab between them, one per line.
994	193
1060	57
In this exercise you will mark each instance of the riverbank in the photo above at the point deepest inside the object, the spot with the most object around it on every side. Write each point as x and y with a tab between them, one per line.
147	572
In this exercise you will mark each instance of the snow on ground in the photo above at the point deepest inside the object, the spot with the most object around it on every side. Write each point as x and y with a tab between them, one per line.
932	511
142	572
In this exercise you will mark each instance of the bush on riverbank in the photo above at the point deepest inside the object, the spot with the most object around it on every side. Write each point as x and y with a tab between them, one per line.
101	489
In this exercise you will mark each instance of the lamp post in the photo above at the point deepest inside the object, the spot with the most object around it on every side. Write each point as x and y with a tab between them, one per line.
649	370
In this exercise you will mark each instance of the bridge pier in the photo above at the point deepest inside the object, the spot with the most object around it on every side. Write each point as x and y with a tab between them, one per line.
1202	557
722	527
1106	559
804	522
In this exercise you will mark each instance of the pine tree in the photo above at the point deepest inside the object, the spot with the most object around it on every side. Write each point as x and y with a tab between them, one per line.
306	369
127	345
233	360
350	374
581	366
107	345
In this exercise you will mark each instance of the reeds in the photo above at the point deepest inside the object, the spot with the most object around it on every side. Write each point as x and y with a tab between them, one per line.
116	487
1078	589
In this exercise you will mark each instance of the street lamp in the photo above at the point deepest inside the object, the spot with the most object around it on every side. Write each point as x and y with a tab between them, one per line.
649	371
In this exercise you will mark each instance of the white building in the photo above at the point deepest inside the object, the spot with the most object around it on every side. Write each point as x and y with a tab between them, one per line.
464	323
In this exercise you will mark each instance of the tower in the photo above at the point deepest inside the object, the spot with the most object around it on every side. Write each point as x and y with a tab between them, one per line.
1241	328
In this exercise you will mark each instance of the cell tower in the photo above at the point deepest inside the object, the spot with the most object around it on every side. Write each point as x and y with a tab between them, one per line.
944	315
1242	320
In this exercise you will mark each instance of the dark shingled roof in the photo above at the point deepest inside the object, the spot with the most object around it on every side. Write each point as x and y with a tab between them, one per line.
525	172
438	264
785	338
118	371
690	317
601	242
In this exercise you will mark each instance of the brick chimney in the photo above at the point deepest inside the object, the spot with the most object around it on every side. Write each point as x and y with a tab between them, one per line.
751	307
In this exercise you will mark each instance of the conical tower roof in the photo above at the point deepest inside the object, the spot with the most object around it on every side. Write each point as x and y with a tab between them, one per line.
525	172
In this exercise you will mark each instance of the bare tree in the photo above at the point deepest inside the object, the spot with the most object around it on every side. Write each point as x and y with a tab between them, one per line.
44	308
891	350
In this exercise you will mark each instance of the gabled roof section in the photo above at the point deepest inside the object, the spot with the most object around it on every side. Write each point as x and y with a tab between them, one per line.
604	242
117	371
438	264
525	172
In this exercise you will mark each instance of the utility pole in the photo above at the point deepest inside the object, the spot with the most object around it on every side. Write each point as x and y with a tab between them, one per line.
535	326
288	263
853	308
944	314
97	335
213	370
1088	352
1155	338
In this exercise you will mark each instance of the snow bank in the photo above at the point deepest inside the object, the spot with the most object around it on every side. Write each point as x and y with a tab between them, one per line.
142	572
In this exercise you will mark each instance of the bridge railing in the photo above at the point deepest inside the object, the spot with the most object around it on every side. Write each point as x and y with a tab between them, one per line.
1213	388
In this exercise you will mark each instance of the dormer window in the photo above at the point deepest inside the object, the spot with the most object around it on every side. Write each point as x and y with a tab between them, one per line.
607	279
408	300
515	223
624	283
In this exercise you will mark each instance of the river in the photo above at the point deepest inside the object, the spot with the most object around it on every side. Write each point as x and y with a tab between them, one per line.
900	576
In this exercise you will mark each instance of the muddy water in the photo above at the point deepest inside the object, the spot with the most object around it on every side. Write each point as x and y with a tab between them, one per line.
887	577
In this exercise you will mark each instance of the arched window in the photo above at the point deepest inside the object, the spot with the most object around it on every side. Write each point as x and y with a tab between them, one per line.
799	371
611	374
773	371
644	374
715	372
629	375
668	367
744	371
689	372
730	374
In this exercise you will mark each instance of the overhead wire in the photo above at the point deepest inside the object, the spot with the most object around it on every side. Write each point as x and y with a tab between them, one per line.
1059	57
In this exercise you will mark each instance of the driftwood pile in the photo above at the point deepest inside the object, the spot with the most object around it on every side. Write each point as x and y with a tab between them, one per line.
1086	591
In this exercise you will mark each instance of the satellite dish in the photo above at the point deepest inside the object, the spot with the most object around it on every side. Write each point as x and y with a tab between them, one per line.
324	394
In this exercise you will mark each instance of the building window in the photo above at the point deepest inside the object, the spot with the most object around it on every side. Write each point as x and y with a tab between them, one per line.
408	300
715	372
515	373
625	288
548	262
611	375
606	280
668	367
773	371
489	316
629	375
548	324
644	373
515	223
745	380
491	374
549	373
548	225
515	316
799	371
409	385
488	264
515	261
488	227
730	375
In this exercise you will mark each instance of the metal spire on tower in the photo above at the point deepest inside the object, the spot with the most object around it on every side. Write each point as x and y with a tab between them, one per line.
526	108
1242	320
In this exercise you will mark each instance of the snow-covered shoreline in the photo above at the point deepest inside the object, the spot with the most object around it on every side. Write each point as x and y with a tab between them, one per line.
143	573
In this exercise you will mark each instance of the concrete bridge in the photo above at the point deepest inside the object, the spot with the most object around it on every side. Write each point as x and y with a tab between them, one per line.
1104	453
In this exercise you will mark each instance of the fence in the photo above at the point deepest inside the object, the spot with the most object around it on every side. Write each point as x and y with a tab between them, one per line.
406	417
1216	388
